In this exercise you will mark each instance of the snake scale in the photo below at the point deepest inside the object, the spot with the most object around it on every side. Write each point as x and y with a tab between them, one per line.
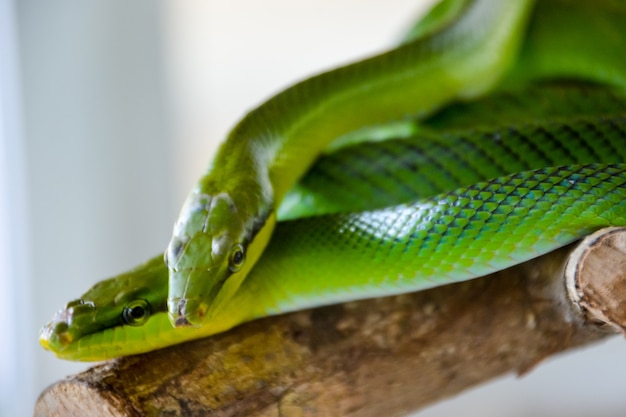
229	216
462	193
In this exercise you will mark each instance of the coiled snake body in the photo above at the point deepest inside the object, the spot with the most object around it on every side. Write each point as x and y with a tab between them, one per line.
229	217
465	199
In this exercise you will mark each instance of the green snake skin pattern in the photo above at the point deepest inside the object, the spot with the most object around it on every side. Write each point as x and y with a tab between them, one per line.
588	125
485	227
415	200
228	217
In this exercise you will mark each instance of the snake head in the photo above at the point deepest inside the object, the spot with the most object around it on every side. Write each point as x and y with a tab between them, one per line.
125	300
210	254
68	325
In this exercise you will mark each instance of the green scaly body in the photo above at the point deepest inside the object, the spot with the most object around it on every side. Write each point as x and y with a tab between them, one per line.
228	218
452	236
455	147
446	238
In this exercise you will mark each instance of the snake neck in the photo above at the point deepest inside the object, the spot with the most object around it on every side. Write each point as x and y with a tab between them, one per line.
280	139
274	145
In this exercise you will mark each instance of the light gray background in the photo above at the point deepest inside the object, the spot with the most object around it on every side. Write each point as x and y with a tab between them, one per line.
110	109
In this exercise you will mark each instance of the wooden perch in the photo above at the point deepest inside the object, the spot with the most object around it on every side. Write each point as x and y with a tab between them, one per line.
381	357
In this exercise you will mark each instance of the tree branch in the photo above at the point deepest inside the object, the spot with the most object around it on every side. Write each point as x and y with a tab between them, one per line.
381	357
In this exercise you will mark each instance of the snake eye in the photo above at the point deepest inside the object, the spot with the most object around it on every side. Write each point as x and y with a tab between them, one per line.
237	258
136	312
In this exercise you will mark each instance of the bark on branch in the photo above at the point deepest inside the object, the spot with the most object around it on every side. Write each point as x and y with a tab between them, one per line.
382	357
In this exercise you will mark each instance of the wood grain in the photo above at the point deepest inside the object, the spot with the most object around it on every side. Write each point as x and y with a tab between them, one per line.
381	357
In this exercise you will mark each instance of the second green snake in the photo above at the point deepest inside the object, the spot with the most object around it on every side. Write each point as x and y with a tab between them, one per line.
493	224
452	236
229	216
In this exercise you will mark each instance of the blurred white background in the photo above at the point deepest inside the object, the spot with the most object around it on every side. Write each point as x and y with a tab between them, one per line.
110	109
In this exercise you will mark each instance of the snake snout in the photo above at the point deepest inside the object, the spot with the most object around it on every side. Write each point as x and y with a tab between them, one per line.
182	322
187	313
55	335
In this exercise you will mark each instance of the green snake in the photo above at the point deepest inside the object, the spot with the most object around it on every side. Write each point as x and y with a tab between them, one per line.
228	218
455	148
127	314
401	247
